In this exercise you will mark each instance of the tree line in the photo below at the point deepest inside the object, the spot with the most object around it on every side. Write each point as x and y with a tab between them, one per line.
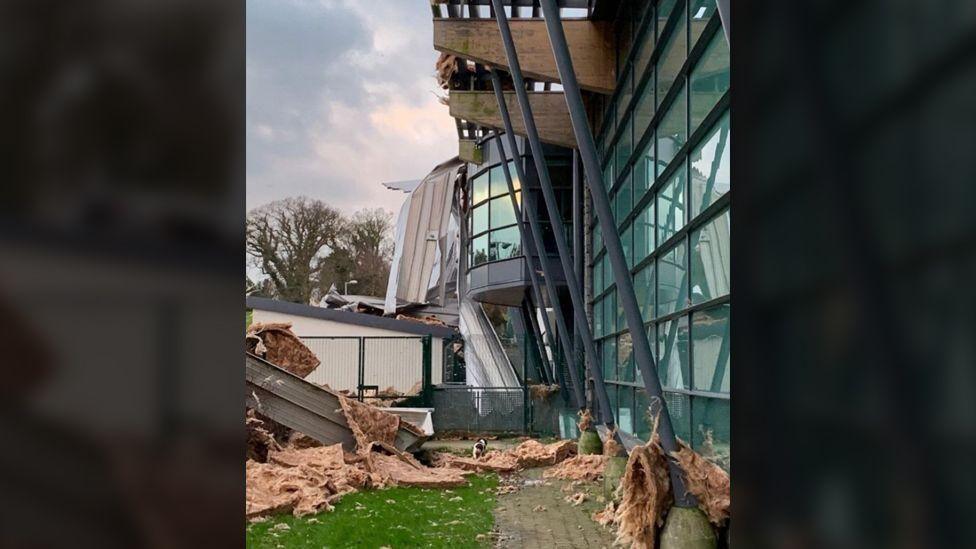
302	246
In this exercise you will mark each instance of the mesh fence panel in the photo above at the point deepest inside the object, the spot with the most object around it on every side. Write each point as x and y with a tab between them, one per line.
479	409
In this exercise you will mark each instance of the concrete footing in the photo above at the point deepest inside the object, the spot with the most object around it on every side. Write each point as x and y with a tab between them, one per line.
590	443
612	475
687	528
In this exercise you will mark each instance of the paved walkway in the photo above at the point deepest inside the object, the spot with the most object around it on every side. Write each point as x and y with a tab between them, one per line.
519	524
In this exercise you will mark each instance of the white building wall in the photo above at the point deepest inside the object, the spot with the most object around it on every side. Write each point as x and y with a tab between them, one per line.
396	363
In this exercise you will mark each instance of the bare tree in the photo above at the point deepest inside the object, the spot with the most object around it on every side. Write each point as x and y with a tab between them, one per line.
363	253
288	238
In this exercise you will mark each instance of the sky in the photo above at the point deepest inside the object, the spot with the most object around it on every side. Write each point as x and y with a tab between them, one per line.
341	96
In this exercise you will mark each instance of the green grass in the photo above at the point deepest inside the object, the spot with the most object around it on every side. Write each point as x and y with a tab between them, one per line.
418	517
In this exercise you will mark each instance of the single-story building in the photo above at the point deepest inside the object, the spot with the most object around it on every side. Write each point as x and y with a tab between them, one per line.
358	349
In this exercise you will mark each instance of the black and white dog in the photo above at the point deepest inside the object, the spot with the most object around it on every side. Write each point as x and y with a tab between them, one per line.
479	448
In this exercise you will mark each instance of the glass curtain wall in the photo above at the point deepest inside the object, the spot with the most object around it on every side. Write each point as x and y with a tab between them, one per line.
665	149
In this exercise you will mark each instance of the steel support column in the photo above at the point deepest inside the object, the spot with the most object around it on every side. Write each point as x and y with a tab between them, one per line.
536	248
558	229
621	272
531	321
578	264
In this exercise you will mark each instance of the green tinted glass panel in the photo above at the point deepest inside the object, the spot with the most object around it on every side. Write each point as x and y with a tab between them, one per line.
612	397
644	110
709	79
609	358
712	432
642	423
711	167
502	213
672	348
597	277
700	11
479	188
625	407
626	93
644	290
711	251
480	250
597	238
671	133
644	233
711	349
643	171
679	406
671	206
625	146
505	243
625	357
498	184
627	242
608	173
598	328
480	219
669	64
610	312
621	319
671	280
625	199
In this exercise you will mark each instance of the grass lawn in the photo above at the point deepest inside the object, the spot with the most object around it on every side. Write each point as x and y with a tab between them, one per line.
395	517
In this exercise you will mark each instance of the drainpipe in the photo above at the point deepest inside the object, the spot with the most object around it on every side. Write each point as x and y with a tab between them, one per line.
536	247
621	272
558	229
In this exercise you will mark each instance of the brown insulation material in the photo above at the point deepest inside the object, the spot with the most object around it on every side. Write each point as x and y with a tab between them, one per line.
530	453
368	423
611	447
446	66
401	469
309	480
586	420
276	343
260	437
543	391
646	496
582	467
605	516
707	482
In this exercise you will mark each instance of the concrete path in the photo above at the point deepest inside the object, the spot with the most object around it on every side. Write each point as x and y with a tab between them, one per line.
521	522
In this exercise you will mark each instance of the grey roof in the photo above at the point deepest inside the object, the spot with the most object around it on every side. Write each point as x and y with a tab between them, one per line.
347	317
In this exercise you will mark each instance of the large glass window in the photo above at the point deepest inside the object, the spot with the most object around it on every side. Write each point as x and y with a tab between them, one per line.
709	79
480	219
700	11
672	347
505	244
711	252
644	289
625	407
479	250
671	133
625	357
712	433
710	167
643	171
671	279
671	60
502	213
679	406
711	353
479	188
671	206
644	232
624	199
609	359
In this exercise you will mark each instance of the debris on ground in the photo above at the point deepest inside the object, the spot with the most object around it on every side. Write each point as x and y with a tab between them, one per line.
530	453
539	508
260	438
587	468
429	320
707	482
276	343
605	517
543	391
576	499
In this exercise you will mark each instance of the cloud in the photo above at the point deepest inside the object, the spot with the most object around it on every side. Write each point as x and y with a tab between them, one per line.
340	98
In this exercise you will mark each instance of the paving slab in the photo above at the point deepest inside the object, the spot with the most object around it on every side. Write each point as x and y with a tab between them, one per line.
520	520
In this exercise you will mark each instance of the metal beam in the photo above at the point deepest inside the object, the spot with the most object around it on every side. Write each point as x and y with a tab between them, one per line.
536	242
621	272
552	206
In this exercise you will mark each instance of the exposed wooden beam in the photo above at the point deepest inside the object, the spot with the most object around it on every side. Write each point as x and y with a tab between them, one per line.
548	108
590	44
